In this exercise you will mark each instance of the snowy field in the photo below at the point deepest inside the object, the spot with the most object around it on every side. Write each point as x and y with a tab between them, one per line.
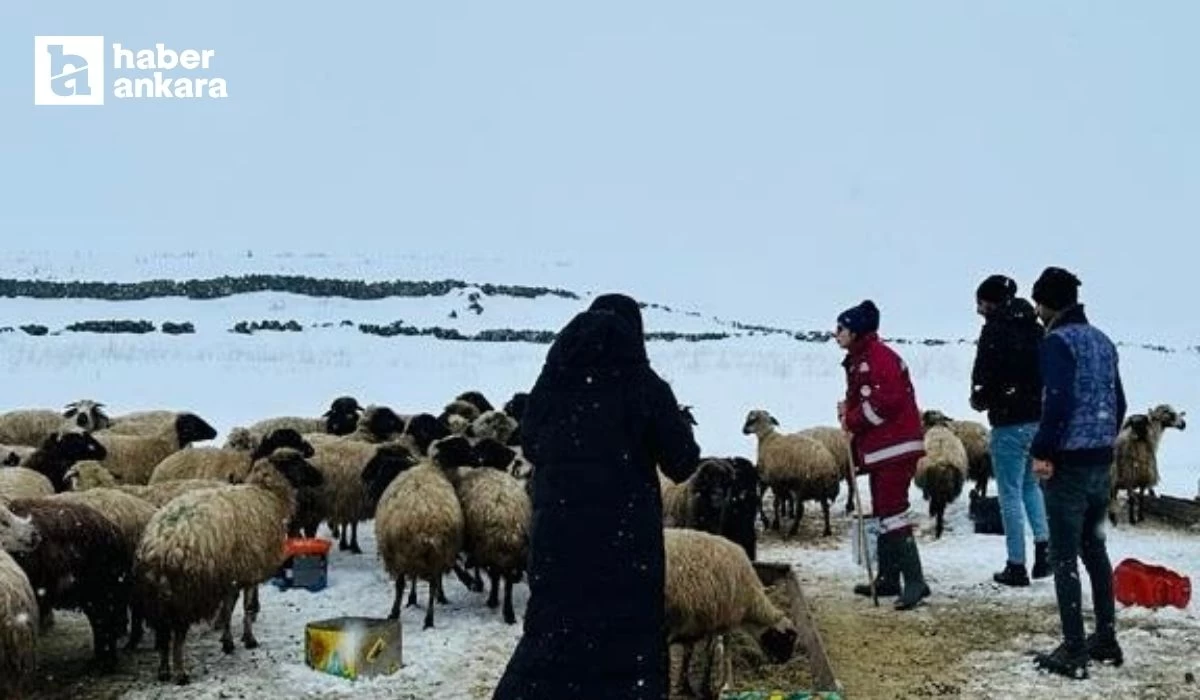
233	379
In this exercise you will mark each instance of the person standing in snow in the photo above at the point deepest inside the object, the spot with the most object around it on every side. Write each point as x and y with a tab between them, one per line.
598	422
1007	383
1082	411
880	412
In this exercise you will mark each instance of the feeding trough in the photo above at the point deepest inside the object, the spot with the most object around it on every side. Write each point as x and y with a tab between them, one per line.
354	647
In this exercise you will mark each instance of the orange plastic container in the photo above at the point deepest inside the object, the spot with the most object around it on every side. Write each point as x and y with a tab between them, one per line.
1149	585
304	545
305	565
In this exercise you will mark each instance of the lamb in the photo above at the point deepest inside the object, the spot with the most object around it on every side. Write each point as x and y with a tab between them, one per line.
711	589
202	549
131	515
941	472
88	475
19	482
794	463
62	450
493	424
496	521
1135	463
18	614
419	520
132	458
31	427
78	560
975	438
226	464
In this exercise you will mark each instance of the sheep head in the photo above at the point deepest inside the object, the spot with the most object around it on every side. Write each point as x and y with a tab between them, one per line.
60	450
241	439
686	413
17	535
389	462
1139	426
425	429
476	399
779	641
493	424
933	417
343	416
515	407
11	459
283	438
295	468
453	452
759	422
1168	417
458	407
710	491
87	414
190	428
382	422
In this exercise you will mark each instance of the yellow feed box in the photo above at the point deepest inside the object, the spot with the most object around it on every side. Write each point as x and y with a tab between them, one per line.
353	647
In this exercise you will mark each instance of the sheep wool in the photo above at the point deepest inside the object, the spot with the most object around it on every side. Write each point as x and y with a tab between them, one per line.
342	499
941	471
203	548
133	458
128	512
791	463
495	425
1135	460
975	438
496	521
297	423
30	427
19	482
92	475
419	530
18	627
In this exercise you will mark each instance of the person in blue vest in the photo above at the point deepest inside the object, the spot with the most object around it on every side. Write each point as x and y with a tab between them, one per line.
1083	407
598	423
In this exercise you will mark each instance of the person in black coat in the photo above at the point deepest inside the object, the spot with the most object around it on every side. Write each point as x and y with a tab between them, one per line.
1007	383
598	423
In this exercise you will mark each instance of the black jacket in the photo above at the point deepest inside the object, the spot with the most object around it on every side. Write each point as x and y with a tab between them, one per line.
1007	380
598	422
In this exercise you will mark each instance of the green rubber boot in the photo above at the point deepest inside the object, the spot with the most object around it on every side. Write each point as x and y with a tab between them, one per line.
887	579
909	562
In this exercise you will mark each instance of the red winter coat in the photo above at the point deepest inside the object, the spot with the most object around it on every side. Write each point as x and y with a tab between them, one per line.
881	406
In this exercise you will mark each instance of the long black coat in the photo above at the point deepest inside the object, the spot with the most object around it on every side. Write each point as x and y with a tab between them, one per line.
599	421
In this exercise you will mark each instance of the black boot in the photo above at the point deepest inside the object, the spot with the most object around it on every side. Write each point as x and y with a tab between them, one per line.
908	560
1105	650
887	579
1041	560
1065	661
1013	575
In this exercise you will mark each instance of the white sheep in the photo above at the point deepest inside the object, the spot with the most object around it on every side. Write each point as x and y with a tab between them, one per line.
19	482
712	589
1135	462
941	471
31	427
18	612
203	548
88	475
976	439
132	458
225	463
342	498
418	521
794	464
496	521
837	441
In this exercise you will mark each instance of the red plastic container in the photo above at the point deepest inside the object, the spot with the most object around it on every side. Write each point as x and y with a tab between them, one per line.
1148	585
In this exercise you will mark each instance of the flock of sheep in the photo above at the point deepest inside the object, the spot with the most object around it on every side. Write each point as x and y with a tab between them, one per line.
127	520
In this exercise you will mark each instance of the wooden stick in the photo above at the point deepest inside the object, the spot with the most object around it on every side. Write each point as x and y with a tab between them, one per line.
862	531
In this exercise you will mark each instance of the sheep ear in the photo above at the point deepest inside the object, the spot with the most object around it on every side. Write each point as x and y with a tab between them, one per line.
774	421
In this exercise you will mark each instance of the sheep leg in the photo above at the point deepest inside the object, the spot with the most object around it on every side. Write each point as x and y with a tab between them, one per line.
799	515
510	616
250	603
162	644
433	586
227	606
334	530
825	509
248	616
478	580
178	635
441	591
685	665
1132	517
464	576
412	595
137	627
343	538
775	505
762	506
354	548
941	515
493	600
395	613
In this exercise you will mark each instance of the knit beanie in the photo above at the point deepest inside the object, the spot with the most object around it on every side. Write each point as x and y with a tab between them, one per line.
1056	289
996	289
860	319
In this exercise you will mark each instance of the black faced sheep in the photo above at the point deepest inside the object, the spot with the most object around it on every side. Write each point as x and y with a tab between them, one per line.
515	409
476	399
496	520
975	438
60	451
78	561
796	464
1135	463
422	430
132	458
203	548
225	463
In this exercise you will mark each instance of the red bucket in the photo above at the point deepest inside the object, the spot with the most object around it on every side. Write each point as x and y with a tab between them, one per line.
1148	585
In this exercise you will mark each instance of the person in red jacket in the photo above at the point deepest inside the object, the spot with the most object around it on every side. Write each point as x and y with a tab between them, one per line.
880	412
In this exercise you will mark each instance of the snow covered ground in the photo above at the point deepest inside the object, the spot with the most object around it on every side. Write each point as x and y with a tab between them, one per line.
233	379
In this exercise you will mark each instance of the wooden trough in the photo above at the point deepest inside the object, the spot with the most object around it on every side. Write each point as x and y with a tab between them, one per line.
1181	511
814	674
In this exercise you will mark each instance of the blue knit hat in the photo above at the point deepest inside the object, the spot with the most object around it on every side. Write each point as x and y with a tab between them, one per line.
860	319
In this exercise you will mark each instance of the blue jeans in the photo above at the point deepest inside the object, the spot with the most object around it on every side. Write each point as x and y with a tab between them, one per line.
1077	503
1020	494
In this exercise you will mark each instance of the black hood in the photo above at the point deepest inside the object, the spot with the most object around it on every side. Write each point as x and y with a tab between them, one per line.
597	339
623	306
1016	310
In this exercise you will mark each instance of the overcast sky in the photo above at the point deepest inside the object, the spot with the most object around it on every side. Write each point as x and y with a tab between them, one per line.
779	160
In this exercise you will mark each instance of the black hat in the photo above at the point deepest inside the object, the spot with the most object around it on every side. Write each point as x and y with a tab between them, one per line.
996	289
1056	289
860	319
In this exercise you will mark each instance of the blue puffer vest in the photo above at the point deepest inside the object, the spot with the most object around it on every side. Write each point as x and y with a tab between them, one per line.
1094	421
